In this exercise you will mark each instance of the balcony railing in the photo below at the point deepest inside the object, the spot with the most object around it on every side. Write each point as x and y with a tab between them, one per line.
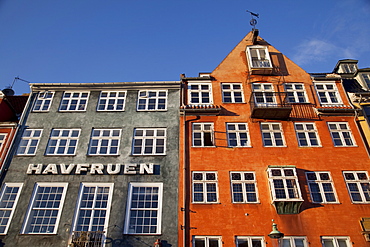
87	239
270	105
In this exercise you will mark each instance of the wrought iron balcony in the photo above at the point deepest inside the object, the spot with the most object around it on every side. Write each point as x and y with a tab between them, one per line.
87	239
270	105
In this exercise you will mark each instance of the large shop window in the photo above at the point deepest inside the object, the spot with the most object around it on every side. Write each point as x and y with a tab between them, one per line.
63	142
207	241
8	201
205	187
45	208
144	208
152	100
74	101
104	142
43	101
358	185
149	141
112	101
93	207
29	142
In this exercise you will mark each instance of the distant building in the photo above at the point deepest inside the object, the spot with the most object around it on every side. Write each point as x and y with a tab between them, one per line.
96	164
261	140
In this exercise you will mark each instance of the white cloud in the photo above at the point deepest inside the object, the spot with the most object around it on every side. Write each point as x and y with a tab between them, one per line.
314	50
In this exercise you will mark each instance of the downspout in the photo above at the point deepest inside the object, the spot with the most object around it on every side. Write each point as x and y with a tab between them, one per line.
12	149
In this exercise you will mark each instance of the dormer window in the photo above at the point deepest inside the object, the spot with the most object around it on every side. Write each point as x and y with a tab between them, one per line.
259	59
348	68
366	79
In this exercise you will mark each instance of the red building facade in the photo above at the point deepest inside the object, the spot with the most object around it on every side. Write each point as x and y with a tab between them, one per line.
261	139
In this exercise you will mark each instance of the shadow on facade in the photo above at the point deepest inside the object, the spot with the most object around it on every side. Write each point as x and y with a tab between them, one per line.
131	242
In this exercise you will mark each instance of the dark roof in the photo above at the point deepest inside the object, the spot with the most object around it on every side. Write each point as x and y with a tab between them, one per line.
352	86
17	103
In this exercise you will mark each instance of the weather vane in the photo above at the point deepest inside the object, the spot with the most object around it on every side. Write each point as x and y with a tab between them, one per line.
253	21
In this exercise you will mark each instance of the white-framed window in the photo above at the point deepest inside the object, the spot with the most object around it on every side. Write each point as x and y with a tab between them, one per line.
263	94
296	93
8	201
290	241
207	241
205	187
232	93
203	135
358	185
200	93
321	187
74	101
2	140
348	68
45	208
328	93
335	241
341	134
29	142
144	208
63	142
149	141
366	79
244	187
154	100
93	207
250	241
307	134
258	57
112	101
272	135
238	135
104	142
284	184
43	101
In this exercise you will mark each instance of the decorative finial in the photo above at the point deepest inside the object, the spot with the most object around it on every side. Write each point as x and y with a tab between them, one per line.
253	22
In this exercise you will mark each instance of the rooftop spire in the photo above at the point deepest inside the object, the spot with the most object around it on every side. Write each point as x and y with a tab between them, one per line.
253	21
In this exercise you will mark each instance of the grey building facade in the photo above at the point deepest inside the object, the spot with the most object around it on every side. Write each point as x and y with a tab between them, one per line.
95	164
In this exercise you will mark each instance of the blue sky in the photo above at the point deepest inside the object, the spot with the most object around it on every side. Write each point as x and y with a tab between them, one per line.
157	40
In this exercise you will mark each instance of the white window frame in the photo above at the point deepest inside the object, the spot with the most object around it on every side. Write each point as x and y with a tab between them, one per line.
152	100
95	207
263	94
232	91
324	187
201	92
296	93
241	134
262	58
155	208
29	142
69	100
244	181
204	182
2	140
358	183
348	68
107	139
365	77
151	138
32	208
43	101
291	240
334	240
340	131
204	135
274	134
289	182
249	240
60	139
328	92
112	101
8	203
206	240
307	135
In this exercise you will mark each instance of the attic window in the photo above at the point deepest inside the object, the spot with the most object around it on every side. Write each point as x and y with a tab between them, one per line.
348	68
259	59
